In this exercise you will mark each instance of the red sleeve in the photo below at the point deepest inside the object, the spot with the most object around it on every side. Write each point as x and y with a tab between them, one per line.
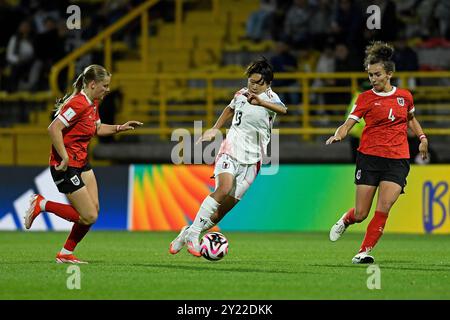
359	109
410	101
71	112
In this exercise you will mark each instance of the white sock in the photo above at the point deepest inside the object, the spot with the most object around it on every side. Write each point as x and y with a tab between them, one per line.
208	225
65	251
42	204
207	208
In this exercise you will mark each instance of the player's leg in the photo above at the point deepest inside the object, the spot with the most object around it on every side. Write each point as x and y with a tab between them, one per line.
224	184
224	208
367	179
90	181
67	182
392	182
39	204
224	172
82	202
361	213
364	199
388	194
363	203
245	175
228	204
80	230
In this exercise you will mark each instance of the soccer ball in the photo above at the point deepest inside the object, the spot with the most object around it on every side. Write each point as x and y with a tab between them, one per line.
213	246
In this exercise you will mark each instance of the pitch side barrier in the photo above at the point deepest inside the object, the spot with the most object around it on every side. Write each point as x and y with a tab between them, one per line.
166	197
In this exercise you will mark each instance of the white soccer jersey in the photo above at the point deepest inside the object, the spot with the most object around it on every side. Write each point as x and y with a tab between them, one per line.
249	134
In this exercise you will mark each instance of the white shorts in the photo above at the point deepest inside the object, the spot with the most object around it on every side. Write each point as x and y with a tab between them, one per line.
244	174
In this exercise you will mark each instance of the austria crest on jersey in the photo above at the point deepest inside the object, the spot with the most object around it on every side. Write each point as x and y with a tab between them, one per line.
401	101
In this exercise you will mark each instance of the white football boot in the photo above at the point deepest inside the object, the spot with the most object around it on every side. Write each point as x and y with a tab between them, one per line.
338	229
363	258
192	243
178	243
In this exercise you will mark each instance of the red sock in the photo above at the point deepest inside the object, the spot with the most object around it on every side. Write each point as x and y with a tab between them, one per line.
76	235
349	217
64	211
374	231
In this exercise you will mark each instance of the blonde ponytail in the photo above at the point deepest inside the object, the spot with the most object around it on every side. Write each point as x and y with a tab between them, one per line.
94	72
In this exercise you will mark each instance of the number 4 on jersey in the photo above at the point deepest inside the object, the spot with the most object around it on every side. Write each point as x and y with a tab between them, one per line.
391	115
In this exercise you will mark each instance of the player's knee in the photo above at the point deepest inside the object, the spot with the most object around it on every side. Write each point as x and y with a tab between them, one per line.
385	205
89	219
92	219
361	215
221	193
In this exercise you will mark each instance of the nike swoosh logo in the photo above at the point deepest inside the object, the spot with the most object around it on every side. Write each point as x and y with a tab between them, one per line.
59	181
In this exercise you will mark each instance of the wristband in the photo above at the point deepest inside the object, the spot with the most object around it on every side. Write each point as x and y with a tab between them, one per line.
422	136
118	128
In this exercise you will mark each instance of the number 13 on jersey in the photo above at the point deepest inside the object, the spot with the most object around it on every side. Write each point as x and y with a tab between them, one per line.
237	118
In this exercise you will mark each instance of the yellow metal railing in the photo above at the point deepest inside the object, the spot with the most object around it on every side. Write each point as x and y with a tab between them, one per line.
302	114
104	38
25	96
11	139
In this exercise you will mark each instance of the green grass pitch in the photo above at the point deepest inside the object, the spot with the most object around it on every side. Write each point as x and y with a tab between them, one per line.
292	266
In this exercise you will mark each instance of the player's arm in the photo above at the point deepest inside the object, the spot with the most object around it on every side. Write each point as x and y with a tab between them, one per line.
55	131
415	126
208	135
227	114
276	107
110	129
342	131
355	115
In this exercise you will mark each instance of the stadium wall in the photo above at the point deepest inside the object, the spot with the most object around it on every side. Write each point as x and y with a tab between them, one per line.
166	197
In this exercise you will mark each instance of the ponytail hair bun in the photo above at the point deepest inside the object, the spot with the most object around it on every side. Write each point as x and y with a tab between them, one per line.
380	52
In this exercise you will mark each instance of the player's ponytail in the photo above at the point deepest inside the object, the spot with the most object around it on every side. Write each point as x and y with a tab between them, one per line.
380	52
94	72
78	84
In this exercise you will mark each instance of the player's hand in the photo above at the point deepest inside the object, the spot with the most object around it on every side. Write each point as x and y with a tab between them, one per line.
63	165
208	135
129	125
423	149
253	99
333	139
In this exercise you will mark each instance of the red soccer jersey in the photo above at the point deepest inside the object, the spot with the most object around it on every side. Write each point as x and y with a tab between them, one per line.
386	117
80	116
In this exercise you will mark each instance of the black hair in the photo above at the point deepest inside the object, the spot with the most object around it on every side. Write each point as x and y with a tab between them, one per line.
380	52
263	67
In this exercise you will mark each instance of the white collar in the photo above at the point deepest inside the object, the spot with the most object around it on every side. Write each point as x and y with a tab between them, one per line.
385	94
87	98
